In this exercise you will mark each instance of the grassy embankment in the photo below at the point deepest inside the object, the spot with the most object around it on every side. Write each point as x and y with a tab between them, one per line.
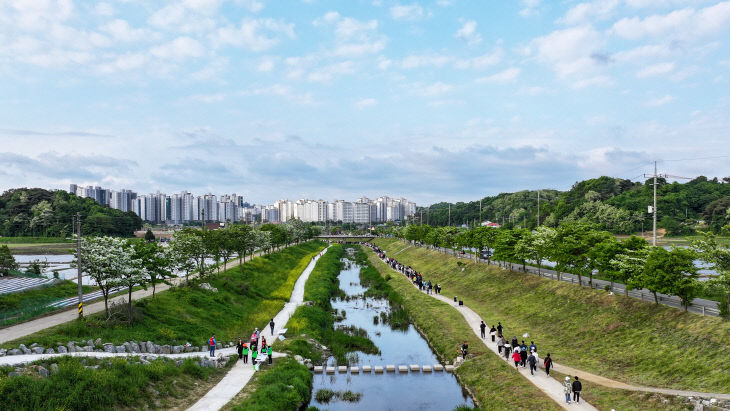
610	335
22	306
605	398
248	296
101	384
285	386
38	245
316	321
492	382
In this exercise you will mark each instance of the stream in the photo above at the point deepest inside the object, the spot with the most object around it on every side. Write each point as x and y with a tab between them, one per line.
388	391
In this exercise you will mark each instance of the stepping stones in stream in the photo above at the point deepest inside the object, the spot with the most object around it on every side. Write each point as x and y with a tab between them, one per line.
438	367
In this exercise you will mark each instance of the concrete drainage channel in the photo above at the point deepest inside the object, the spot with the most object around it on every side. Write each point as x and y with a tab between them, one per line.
379	369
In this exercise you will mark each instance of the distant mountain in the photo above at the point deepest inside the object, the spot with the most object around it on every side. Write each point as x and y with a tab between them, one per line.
614	204
43	213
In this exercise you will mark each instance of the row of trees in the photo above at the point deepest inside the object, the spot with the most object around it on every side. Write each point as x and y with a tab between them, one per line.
583	250
115	262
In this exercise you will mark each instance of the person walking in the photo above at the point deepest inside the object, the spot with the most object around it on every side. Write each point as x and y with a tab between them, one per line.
493	332
533	347
523	354
567	387
245	353
269	353
500	344
211	345
271	324
239	348
254	355
464	350
483	328
499	328
532	360
514	342
577	387
516	357
548	363
507	349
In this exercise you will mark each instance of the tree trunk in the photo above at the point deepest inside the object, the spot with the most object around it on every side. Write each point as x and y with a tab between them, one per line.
626	290
539	268
580	280
106	302
656	299
590	279
130	304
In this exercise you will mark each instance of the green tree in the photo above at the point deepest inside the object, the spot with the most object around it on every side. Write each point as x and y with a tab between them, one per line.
710	251
485	238
104	259
149	236
155	259
7	261
543	242
674	273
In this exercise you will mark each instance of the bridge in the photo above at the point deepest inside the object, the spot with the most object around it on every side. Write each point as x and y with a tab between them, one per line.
346	238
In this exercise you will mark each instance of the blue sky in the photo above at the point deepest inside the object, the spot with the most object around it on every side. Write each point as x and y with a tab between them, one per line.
434	100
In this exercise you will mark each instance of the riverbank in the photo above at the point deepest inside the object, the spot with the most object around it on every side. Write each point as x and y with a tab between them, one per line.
248	295
609	335
492	382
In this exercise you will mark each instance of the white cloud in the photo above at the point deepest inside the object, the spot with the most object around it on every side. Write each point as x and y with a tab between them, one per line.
468	33
124	62
253	6
417	61
431	90
266	65
283	91
655	70
480	62
104	9
530	7
255	34
642	53
329	72
583	13
353	38
660	101
568	51
180	48
120	30
504	76
592	81
365	103
207	98
409	12
687	23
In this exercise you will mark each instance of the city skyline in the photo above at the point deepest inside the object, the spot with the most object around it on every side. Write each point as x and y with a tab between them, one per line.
439	100
185	207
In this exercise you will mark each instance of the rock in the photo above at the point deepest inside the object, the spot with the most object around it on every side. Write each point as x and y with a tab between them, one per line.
207	363
120	349
310	366
143	361
3	351
37	350
91	343
34	345
189	348
62	349
135	347
207	286
15	351
178	349
165	349
27	351
178	362
54	367
127	346
71	347
109	347
218	346
43	372
50	351
299	358
713	400
142	347
98	342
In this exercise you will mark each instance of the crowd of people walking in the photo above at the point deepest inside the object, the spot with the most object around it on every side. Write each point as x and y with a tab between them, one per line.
257	345
521	354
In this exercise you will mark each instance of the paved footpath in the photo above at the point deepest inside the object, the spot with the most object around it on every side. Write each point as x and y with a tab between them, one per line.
21	330
241	373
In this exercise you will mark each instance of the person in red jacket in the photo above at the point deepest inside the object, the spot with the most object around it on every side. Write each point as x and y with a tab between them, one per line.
517	358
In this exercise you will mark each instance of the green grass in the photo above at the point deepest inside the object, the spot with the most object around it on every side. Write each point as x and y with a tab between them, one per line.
491	381
285	386
378	287
605	398
21	306
610	335
116	383
317	321
248	296
34	240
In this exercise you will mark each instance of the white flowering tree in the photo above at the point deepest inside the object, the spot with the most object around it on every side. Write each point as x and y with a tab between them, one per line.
183	251
104	259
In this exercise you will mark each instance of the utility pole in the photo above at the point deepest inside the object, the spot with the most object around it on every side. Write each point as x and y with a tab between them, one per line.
480	211
653	208
538	208
449	215
78	265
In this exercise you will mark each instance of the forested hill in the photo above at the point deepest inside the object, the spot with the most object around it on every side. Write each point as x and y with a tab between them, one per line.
616	205
39	212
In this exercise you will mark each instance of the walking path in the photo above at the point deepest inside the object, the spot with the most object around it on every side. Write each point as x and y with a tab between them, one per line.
474	320
241	373
548	385
21	330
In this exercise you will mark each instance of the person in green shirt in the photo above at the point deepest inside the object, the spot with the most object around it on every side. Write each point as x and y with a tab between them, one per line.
245	353
254	354
268	352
